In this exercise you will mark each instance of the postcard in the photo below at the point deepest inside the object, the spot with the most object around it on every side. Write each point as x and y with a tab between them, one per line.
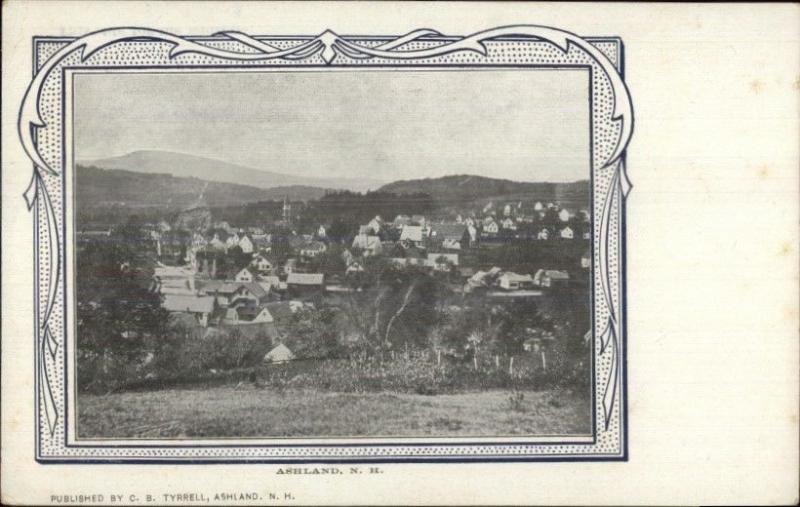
268	254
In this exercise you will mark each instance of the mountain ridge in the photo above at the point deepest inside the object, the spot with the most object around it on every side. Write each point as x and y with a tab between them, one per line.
184	165
463	188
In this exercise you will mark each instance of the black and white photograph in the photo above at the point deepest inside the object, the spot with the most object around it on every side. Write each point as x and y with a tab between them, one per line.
348	253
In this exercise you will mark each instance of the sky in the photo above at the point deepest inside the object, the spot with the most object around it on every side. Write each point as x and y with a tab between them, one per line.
530	125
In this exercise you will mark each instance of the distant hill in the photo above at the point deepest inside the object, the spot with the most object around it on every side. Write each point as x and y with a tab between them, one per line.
186	166
100	189
459	189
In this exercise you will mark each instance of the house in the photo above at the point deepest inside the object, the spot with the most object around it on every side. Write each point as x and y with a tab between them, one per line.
509	224
289	266
550	278
255	289
228	293
261	264
269	283
233	240
507	210
322	232
217	244
305	284
200	307
490	227
514	281
482	279
246	244
538	206
279	354
544	234
244	276
451	236
173	280
585	215
313	249
370	245
586	260
400	221
354	267
564	215
567	233
247	315
375	224
412	234
442	261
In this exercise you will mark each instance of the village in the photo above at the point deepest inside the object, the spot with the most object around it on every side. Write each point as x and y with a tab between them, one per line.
253	279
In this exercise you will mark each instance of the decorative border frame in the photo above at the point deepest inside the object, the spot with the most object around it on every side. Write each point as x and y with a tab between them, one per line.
42	132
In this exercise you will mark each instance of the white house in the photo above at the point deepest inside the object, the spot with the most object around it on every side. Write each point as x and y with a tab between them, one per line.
507	210
313	249
233	240
567	233
246	245
322	232
261	263
491	227
514	281
217	244
244	315
198	306
412	233
375	224
279	354
544	234
442	261
244	276
564	215
354	267
538	206
370	245
509	224
550	277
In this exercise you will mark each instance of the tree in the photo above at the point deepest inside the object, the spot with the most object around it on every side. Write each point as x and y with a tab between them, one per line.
118	314
312	333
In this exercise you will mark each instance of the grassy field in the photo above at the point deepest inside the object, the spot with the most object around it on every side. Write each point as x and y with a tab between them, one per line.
248	411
